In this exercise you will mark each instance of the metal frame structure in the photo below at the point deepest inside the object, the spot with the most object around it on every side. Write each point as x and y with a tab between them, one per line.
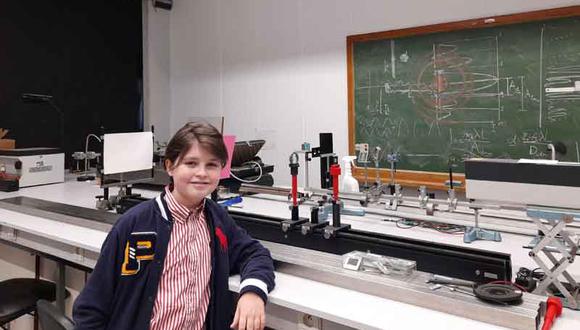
552	223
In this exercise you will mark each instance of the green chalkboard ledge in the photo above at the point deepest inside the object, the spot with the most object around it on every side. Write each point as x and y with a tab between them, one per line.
414	179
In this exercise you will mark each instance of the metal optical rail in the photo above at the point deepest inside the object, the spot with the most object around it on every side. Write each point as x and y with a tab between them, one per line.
413	289
466	263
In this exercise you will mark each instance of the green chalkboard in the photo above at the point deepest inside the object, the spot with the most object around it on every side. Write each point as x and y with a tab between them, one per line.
495	91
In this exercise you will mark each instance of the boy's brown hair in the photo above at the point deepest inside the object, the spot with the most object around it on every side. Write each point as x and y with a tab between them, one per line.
208	137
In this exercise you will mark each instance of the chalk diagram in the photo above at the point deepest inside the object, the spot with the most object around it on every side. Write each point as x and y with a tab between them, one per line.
463	105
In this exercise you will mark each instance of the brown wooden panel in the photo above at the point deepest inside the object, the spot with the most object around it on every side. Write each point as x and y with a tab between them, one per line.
432	180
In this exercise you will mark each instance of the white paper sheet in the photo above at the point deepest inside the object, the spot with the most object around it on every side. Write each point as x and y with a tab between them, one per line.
127	152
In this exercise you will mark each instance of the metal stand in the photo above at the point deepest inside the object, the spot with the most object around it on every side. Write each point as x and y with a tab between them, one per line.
314	223
423	197
476	233
61	286
295	219
325	210
553	230
363	156
396	197
330	231
305	149
451	200
393	158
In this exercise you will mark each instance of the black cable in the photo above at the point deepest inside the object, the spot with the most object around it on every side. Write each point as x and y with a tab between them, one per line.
406	224
538	275
440	227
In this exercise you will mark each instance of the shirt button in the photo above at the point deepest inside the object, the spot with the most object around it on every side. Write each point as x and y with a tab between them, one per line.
150	298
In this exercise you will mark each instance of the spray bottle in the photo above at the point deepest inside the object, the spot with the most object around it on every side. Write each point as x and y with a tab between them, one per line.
349	183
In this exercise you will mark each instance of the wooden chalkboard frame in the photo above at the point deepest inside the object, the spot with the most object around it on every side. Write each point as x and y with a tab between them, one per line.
433	180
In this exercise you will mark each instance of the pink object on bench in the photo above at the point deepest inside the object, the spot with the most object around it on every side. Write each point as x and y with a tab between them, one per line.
229	141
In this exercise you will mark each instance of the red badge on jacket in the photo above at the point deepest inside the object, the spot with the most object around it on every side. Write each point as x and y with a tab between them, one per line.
222	238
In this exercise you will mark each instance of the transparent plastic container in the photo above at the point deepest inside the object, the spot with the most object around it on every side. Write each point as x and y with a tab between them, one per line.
376	263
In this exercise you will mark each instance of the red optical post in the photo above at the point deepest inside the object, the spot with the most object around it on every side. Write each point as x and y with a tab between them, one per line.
335	173
294	172
294	190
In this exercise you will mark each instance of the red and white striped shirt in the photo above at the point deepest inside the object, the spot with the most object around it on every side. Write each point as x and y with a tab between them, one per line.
183	293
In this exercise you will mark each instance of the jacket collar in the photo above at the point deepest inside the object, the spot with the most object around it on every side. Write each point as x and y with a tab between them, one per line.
163	208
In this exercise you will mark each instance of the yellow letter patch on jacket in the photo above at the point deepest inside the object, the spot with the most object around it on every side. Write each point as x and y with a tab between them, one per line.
140	246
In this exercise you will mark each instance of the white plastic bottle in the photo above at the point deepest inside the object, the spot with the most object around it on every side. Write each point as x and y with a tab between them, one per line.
349	183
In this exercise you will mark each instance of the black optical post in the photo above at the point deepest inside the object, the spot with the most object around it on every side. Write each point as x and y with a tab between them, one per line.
41	98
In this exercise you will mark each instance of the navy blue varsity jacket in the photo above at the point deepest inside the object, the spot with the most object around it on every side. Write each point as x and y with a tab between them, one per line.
121	290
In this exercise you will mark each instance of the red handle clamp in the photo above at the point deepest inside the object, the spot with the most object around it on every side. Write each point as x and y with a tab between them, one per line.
335	173
553	310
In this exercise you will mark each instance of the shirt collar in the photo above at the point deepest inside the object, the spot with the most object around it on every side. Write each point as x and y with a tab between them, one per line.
180	212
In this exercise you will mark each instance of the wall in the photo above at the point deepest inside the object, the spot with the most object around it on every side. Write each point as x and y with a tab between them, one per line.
277	69
157	102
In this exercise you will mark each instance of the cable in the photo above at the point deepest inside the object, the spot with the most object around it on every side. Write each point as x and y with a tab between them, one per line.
249	181
406	224
538	275
525	279
440	227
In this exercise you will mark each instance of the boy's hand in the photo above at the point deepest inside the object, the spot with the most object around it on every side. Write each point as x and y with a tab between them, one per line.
250	313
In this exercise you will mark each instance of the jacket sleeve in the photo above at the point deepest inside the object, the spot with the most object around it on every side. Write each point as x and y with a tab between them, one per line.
251	260
93	307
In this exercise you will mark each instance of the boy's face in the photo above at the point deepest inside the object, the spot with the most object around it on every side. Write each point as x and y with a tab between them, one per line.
195	176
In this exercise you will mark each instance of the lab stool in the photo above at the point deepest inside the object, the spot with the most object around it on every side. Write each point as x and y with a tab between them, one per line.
18	297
